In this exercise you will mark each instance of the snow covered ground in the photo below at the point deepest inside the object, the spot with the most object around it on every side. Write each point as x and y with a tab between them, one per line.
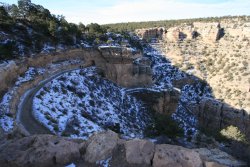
164	73
81	102
6	118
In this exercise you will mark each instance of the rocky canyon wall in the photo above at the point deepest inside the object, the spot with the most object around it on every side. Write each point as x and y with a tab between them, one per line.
165	102
215	115
117	67
125	67
208	32
148	34
11	70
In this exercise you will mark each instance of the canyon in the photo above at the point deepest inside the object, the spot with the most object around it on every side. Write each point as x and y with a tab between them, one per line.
217	53
145	78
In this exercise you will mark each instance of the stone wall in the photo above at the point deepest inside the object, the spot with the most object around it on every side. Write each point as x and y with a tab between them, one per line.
105	149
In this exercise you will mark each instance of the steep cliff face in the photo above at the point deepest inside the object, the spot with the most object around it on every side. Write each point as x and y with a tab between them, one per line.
165	102
208	32
172	35
148	34
124	67
117	64
11	70
216	115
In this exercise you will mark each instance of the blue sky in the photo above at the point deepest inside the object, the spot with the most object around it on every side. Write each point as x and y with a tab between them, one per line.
113	11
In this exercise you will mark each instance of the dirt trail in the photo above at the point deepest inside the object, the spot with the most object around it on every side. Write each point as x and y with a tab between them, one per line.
26	117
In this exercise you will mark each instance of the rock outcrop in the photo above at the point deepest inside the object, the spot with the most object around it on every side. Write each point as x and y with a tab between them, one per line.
168	156
161	102
48	150
172	35
208	32
40	150
103	149
124	67
237	30
116	63
139	152
100	147
148	34
180	33
213	114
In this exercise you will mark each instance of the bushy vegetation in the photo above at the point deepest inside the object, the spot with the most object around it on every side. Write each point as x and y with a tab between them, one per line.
233	133
131	26
27	28
164	125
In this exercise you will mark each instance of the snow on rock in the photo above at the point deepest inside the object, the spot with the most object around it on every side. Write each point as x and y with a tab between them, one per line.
6	122
6	118
164	73
104	163
47	48
81	102
71	165
29	75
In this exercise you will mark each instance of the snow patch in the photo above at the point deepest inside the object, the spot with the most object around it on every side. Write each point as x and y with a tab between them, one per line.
81	102
6	118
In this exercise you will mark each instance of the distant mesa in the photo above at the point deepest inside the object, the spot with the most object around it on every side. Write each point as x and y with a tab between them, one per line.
208	32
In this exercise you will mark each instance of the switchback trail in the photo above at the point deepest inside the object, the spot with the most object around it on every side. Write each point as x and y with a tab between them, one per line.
25	109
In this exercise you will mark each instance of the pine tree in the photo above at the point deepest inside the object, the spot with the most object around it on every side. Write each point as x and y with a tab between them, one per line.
14	11
24	7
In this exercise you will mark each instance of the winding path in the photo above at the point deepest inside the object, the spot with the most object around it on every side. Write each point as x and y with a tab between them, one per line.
25	117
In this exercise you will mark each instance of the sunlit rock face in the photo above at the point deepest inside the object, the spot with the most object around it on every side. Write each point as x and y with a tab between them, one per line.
148	34
126	67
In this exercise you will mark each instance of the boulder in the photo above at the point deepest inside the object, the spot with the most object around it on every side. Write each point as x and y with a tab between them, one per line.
104	149
213	164
100	146
170	155
216	157
39	151
139	151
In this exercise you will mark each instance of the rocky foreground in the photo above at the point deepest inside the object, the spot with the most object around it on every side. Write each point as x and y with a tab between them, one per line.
104	149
